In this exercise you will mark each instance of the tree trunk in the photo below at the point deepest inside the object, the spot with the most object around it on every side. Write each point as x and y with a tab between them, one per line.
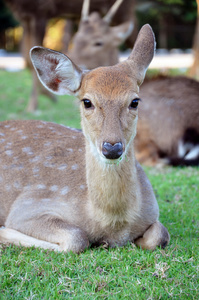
162	39
194	70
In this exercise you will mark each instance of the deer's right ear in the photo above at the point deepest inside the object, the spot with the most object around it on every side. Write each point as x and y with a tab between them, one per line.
56	71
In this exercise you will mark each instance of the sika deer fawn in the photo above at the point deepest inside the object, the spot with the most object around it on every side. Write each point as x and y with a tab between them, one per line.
64	190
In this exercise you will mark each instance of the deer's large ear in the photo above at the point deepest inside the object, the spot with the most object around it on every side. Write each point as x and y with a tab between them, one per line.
56	71
143	52
121	32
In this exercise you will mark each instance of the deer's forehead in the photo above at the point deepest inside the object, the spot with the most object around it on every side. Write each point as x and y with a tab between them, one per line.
109	82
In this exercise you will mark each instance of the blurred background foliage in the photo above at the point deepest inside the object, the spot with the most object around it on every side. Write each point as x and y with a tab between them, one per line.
173	22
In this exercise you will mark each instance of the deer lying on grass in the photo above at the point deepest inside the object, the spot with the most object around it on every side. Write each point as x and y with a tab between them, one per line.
64	190
168	126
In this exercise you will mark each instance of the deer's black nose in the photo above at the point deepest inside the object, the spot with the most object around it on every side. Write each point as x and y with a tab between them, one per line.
112	151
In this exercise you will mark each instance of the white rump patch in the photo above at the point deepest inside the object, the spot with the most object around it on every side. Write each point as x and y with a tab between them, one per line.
188	150
193	153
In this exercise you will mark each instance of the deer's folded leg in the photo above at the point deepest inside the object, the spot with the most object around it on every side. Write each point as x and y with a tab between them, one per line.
155	235
47	232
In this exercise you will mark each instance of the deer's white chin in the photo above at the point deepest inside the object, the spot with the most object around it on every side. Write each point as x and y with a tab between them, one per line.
111	161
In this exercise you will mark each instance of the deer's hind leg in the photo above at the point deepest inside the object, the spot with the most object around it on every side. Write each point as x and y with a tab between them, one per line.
11	236
155	235
45	231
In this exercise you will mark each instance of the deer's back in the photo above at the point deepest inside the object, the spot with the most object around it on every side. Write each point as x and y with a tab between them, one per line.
169	108
40	156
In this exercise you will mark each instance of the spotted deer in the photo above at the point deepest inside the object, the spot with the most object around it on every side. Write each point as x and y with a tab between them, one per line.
63	189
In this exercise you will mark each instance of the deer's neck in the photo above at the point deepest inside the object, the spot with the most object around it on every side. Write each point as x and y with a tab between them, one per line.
112	188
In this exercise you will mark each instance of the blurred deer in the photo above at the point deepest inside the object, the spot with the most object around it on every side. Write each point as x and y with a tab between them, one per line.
96	43
33	15
168	127
63	189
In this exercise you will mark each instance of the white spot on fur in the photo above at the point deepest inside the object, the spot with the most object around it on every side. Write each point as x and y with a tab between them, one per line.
82	187
24	137
7	126
20	131
62	167
8	145
34	159
47	144
54	188
41	186
2	134
75	167
2	141
17	185
27	150
64	190
5	167
48	164
8	187
35	170
49	157
9	152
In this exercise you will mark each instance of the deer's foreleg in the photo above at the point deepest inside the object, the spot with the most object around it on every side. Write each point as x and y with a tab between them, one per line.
155	235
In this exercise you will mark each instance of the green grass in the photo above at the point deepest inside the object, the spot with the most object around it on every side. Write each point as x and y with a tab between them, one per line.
15	90
100	273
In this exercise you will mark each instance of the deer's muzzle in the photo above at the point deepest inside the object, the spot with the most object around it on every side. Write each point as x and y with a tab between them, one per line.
112	151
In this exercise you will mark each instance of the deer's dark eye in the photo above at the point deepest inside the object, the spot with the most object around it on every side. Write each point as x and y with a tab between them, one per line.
98	44
87	103
134	103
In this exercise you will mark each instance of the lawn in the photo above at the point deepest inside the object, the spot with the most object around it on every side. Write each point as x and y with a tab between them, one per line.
101	273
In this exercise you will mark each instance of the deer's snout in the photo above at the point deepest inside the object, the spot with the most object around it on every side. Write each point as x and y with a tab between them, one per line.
112	151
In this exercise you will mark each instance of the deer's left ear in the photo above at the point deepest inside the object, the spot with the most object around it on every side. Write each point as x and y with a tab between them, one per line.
142	53
121	32
56	71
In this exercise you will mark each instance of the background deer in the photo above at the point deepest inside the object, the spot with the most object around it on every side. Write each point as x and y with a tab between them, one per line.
65	190
33	15
168	125
97	40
